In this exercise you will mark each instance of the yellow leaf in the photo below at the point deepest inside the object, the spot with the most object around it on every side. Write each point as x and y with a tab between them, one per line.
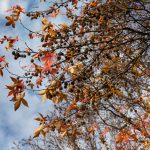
72	70
44	98
44	21
37	131
76	68
19	97
54	83
43	93
36	134
45	27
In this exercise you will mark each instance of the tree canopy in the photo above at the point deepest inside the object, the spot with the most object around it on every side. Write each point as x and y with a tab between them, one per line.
94	68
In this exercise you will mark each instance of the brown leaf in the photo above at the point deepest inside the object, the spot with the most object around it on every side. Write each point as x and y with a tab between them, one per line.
25	102
17	105
11	21
43	133
31	85
36	134
55	99
1	72
14	80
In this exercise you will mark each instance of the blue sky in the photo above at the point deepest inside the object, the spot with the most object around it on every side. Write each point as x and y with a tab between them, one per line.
20	124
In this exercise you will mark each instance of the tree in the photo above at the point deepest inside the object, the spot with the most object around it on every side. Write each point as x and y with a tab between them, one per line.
93	68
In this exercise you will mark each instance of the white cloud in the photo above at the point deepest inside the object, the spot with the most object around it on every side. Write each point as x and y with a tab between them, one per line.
4	5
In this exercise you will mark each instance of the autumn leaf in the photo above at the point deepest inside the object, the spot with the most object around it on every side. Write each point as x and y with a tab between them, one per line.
48	60
76	68
55	99
45	21
17	105
64	26
11	21
10	42
44	96
122	137
39	80
58	124
16	8
38	131
72	106
41	119
43	133
93	4
1	72
14	17
54	15
25	102
101	19
18	100
16	87
47	25
31	85
2	58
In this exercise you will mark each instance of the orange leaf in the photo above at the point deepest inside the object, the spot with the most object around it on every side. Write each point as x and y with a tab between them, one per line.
54	15
48	60
73	106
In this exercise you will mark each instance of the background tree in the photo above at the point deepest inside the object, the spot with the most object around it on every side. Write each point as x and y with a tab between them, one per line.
93	68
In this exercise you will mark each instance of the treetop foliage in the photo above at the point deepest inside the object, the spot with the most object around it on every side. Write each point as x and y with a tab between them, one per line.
94	68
